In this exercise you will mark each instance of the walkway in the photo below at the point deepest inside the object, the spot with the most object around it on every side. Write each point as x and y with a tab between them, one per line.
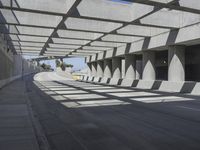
16	126
84	116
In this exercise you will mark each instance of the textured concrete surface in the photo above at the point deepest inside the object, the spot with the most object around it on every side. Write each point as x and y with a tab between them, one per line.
78	115
84	116
16	128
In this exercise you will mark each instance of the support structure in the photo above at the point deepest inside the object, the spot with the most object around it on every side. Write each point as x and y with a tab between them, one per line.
100	68
107	68
116	67
176	60
130	67
138	69
94	69
149	72
89	69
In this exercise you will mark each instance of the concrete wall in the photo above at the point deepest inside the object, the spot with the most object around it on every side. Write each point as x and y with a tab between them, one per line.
11	65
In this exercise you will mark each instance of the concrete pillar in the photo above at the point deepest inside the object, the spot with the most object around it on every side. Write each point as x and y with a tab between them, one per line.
107	68
176	62
149	72
116	67
123	68
99	68
89	69
130	66
138	70
94	69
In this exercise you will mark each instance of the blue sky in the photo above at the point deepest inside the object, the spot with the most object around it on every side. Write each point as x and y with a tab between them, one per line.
122	1
78	63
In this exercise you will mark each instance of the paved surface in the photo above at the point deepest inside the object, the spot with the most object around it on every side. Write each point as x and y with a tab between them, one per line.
16	127
84	116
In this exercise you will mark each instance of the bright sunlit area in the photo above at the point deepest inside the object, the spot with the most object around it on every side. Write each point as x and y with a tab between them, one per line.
78	63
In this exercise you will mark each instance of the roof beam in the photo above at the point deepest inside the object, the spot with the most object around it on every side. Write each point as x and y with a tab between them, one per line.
77	2
171	5
125	24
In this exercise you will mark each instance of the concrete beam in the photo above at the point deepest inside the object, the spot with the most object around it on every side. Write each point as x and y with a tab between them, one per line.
185	36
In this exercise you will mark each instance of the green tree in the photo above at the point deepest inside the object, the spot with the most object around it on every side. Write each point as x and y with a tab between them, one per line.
46	67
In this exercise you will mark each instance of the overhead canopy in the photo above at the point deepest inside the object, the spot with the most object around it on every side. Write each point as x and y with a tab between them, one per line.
86	27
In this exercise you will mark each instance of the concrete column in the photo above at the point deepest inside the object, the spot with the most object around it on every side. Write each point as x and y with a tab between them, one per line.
100	68
176	60
94	69
123	68
116	67
107	68
149	72
130	66
138	70
89	69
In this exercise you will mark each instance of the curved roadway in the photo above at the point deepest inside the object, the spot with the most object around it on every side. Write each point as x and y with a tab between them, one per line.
86	116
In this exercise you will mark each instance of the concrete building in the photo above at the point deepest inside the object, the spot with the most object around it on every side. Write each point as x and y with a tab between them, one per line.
13	66
123	40
141	54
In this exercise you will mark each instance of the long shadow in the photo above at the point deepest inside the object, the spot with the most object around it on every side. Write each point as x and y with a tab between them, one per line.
185	89
152	107
122	127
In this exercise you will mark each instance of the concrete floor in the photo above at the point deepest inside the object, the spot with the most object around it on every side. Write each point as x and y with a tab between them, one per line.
16	126
84	116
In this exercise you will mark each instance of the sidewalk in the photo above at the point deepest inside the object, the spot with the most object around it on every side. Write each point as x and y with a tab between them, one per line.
16	128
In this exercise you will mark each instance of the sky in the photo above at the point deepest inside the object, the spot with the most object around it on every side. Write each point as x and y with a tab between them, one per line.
78	62
123	1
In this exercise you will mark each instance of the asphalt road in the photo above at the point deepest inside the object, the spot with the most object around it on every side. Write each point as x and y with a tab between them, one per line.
86	116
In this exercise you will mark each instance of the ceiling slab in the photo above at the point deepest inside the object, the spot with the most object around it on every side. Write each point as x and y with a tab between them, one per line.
64	46
70	41
33	44
112	10
87	27
121	38
106	44
91	25
32	38
61	6
96	48
35	19
142	30
78	34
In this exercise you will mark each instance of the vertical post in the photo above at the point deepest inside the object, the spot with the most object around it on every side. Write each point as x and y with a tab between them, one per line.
176	60
138	69
149	72
89	69
130	67
107	68
116	67
94	69
123	69
100	68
